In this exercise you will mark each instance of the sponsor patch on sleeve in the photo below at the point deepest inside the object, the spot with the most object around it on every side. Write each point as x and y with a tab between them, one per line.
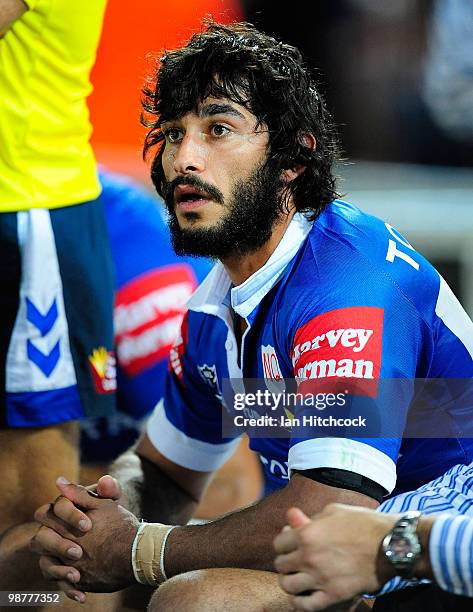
148	315
343	346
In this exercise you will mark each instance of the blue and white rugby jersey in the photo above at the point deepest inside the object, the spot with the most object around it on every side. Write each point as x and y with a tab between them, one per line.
346	297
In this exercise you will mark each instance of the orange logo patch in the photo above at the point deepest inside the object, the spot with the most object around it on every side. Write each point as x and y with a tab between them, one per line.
103	367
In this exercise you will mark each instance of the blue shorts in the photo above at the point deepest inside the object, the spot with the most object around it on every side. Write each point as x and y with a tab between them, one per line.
56	339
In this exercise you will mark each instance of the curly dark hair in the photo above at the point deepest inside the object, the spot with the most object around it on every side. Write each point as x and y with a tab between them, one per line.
267	77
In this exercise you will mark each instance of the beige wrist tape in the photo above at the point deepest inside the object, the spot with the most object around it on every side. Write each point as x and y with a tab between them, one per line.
147	556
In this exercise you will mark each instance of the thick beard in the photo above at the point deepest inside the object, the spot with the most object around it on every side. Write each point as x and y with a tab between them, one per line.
253	211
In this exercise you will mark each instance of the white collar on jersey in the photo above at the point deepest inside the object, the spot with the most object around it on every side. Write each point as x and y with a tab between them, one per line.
210	295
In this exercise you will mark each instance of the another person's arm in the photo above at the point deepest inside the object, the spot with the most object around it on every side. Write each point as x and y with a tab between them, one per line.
10	11
337	554
450	552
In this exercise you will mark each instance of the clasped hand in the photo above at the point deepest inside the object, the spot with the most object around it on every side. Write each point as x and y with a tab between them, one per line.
85	539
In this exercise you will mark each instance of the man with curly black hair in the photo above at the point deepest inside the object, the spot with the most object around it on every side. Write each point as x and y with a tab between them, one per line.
308	289
285	116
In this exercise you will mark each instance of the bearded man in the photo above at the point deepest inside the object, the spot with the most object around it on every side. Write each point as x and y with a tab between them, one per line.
307	288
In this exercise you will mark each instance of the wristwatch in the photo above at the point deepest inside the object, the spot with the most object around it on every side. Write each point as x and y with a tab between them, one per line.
401	546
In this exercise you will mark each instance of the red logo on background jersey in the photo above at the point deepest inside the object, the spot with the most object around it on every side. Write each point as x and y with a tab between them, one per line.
341	345
148	314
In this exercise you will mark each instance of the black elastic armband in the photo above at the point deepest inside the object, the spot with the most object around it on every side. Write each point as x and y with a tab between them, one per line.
344	479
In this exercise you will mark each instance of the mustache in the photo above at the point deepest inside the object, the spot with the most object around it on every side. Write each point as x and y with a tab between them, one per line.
168	188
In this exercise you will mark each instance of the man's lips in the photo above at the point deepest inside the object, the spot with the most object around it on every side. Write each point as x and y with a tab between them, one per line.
188	198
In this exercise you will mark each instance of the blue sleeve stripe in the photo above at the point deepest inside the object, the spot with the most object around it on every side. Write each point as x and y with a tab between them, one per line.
444	535
457	556
464	555
451	554
406	504
387	505
468	560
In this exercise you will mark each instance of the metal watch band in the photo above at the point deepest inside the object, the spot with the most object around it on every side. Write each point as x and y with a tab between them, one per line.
406	529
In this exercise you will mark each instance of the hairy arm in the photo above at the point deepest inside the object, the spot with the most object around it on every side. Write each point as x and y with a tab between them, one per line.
245	539
10	11
154	488
241	539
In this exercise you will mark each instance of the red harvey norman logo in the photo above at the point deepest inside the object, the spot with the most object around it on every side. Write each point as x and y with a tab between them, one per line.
344	343
148	314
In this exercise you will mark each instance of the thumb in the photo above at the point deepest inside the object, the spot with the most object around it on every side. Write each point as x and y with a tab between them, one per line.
108	487
77	494
296	518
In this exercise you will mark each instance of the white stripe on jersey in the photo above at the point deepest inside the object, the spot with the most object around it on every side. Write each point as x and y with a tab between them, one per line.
449	309
188	452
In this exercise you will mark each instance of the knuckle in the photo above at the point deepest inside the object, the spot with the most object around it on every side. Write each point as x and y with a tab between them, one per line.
334	508
286	583
62	506
41	512
33	544
305	537
312	559
45	569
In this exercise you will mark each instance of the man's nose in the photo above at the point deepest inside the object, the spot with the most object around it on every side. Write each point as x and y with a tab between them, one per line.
190	156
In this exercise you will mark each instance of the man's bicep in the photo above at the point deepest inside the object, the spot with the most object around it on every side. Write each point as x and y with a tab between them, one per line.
192	481
10	11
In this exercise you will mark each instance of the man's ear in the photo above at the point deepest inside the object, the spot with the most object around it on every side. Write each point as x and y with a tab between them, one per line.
308	141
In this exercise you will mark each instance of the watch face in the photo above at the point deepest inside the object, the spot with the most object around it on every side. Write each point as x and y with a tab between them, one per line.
400	547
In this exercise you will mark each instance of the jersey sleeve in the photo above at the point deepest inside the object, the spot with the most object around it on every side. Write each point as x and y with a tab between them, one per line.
186	425
359	346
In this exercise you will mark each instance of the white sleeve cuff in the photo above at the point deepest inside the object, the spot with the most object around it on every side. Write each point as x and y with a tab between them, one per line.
344	454
183	450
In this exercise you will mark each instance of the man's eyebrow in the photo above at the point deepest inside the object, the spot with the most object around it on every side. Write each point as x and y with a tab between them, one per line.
219	109
208	110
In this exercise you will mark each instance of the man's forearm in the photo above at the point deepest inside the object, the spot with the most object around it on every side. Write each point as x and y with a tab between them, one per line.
149	492
244	539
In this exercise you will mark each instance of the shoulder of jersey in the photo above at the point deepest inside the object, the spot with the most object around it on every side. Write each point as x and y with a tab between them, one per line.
354	259
344	238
